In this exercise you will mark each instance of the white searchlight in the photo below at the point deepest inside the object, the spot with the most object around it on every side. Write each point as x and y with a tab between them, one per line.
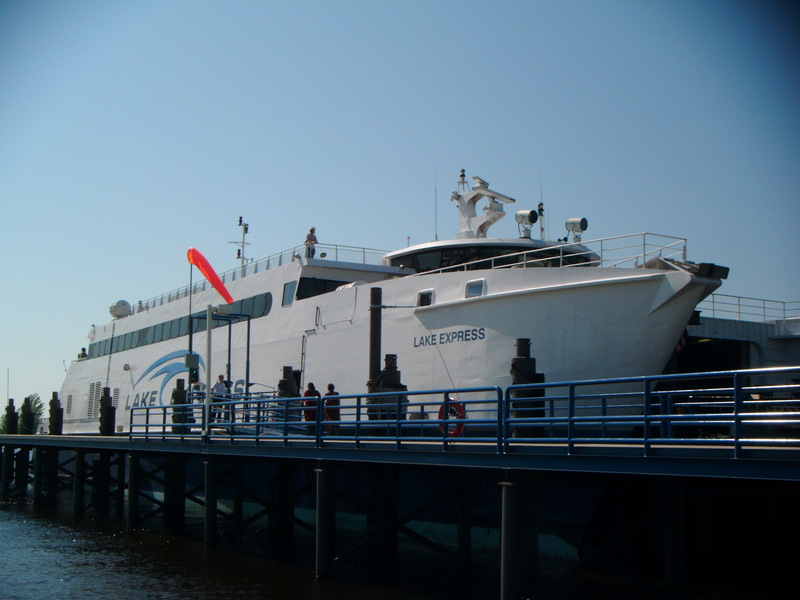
525	220
576	226
526	217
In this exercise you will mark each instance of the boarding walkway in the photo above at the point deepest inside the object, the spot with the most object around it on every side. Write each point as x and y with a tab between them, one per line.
732	423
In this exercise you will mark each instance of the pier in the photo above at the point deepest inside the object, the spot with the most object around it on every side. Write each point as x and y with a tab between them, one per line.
660	481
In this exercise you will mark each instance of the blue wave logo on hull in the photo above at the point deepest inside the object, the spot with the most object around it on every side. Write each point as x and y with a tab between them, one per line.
169	367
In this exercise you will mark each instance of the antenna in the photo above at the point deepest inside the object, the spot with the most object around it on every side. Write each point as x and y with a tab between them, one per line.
541	207
435	205
243	244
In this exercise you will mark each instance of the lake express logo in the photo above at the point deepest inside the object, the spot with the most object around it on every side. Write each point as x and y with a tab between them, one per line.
168	367
450	337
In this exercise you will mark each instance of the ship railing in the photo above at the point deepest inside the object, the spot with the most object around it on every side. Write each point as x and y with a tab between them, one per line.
626	251
334	252
638	249
729	412
742	308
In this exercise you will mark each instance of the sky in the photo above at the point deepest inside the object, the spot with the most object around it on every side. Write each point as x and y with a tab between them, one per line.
130	131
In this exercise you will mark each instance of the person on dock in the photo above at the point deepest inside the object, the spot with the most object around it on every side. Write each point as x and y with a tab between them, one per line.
311	242
312	398
219	392
332	416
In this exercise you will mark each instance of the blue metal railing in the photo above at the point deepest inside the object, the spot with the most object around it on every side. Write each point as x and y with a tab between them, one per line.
731	410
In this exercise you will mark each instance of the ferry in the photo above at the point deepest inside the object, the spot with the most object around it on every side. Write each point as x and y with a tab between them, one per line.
451	314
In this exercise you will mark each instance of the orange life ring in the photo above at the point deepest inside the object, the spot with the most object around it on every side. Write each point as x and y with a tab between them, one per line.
456	418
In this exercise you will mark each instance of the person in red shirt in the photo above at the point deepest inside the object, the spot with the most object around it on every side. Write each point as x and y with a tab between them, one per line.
311	396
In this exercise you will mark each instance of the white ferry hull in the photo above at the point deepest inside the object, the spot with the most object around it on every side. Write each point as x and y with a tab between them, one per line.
583	323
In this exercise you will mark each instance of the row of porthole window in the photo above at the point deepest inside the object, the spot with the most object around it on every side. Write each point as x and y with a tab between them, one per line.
255	306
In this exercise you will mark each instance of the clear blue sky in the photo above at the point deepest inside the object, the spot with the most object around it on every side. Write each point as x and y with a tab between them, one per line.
130	131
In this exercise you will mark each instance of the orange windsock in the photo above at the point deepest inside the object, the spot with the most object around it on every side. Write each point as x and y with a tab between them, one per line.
199	261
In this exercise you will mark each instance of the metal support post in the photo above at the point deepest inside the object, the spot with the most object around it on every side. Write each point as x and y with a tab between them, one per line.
174	496
79	483
518	545
210	531
133	490
38	470
326	521
8	472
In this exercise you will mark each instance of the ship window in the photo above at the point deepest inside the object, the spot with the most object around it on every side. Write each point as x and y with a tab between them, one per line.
425	298
246	307
262	305
487	256
311	286
475	288
288	292
157	329
183	326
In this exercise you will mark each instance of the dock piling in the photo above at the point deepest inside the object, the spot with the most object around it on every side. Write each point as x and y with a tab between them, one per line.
325	520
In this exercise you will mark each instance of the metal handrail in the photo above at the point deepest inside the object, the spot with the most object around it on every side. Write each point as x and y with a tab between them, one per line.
742	308
335	252
637	248
633	250
736	410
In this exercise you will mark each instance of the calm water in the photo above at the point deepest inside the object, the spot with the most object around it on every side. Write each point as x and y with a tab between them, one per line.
58	557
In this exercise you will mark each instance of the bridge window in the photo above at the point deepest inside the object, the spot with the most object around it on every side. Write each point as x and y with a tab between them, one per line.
312	286
288	292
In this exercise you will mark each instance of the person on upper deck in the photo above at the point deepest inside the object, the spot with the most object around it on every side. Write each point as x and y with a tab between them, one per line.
311	241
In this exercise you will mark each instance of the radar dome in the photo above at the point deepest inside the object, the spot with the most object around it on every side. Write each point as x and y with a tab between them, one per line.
120	309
